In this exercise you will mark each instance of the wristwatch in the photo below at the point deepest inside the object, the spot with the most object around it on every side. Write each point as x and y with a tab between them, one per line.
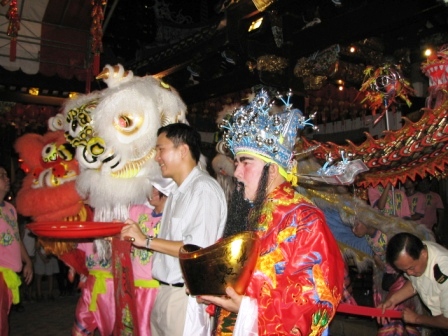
149	239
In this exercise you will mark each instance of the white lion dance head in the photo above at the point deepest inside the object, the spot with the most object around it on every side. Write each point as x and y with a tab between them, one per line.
115	133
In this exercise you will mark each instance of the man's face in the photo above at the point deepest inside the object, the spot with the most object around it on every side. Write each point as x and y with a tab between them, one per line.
168	156
424	186
248	170
413	267
408	184
4	181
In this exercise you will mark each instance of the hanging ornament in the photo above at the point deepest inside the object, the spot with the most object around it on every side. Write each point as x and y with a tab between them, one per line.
383	86
13	27
96	31
277	28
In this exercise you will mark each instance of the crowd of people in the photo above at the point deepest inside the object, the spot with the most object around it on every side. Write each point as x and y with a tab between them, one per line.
415	200
299	278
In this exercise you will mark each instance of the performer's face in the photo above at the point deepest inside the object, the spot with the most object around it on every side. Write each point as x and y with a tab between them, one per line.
424	186
248	171
410	266
359	229
155	199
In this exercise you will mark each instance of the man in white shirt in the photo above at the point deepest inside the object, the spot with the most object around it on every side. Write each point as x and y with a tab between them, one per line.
195	213
425	264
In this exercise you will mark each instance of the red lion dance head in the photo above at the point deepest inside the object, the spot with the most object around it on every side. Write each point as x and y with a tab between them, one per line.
48	191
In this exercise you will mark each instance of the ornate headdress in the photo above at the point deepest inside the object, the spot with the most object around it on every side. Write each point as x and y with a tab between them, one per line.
254	130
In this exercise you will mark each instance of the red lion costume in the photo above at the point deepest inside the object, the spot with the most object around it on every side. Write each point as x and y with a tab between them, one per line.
48	191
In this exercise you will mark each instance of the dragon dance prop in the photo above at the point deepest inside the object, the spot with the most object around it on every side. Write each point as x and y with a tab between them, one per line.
382	87
436	68
417	149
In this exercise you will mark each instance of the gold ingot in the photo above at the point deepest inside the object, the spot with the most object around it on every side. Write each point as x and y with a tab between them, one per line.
228	263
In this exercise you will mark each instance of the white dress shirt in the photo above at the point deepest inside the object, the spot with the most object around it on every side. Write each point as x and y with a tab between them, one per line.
433	294
196	214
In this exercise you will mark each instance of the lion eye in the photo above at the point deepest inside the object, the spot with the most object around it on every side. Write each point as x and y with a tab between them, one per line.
124	121
127	123
49	152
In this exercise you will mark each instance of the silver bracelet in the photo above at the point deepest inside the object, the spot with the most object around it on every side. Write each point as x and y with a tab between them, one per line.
149	239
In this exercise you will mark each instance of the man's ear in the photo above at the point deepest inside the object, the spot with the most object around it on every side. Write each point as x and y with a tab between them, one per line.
184	150
424	253
273	170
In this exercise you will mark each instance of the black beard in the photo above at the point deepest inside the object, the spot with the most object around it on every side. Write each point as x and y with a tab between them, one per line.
242	215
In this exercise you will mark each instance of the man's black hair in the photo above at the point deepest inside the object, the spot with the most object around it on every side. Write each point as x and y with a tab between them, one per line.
403	242
180	133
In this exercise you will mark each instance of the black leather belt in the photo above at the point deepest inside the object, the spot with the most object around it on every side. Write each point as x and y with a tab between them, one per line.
179	284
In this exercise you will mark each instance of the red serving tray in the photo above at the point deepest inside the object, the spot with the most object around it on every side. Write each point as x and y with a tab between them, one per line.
75	229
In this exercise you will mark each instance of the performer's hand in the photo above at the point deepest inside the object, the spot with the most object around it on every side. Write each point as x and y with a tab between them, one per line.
82	281
71	274
43	257
410	316
27	273
231	302
388	304
132	232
